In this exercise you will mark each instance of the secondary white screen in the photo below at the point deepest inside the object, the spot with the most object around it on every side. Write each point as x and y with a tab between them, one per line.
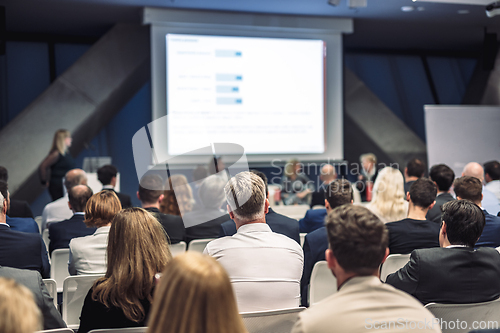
266	94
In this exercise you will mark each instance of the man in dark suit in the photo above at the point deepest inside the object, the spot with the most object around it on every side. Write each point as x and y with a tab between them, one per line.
278	223
443	177
107	176
339	192
20	249
33	281
470	188
454	272
151	195
62	232
327	175
17	208
415	232
414	170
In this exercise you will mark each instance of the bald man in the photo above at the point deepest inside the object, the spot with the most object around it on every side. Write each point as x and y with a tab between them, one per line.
327	175
490	202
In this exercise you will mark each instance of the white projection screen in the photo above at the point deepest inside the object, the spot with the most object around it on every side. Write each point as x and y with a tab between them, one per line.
272	84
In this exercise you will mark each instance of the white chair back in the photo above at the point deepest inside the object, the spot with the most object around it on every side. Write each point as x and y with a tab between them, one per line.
466	315
199	245
293	211
392	264
38	220
52	289
178	248
57	330
59	267
273	321
45	237
75	289
302	238
323	283
121	330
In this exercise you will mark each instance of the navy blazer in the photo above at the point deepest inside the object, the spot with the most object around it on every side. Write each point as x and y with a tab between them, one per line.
315	245
172	224
314	219
23	250
491	232
24	224
278	223
60	233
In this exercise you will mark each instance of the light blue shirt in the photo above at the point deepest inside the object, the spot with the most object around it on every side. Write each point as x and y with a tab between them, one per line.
490	202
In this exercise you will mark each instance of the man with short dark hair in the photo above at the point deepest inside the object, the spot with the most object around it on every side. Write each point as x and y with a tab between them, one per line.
455	272
415	232
107	176
61	233
358	245
492	177
414	170
17	208
443	176
150	194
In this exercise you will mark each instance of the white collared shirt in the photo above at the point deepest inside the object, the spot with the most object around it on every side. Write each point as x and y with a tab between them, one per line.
56	211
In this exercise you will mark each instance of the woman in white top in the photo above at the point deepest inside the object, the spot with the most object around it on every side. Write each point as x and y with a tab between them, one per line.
87	255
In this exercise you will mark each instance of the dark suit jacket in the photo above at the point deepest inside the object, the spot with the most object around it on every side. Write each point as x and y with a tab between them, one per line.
409	234
278	223
208	229
318	197
315	245
24	224
491	232
450	275
314	219
61	233
435	213
408	185
124	199
173	225
23	250
19	208
33	281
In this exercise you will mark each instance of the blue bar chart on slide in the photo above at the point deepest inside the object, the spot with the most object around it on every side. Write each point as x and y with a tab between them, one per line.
228	77
227	89
229	101
227	53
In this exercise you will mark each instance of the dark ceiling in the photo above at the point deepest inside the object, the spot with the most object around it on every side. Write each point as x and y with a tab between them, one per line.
380	25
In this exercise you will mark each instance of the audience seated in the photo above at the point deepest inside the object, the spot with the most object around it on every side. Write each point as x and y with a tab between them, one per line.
490	201
87	255
415	232
59	210
492	177
18	208
296	188
178	196
33	281
367	176
20	249
388	201
358	245
414	170
107	176
469	188
18	310
339	192
327	175
264	267
61	233
205	222
194	295
150	194
455	272
277	222
443	177
137	250
24	224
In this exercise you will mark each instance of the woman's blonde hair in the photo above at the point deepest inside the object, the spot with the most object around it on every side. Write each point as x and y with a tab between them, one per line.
195	295
58	141
389	195
101	208
18	309
180	200
137	250
290	167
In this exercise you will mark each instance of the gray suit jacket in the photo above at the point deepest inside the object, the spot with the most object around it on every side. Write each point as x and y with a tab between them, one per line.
33	281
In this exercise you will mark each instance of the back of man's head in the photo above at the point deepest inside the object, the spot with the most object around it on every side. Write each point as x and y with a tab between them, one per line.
464	222
78	197
151	187
338	193
245	195
211	191
328	173
474	169
106	173
357	238
75	177
423	192
263	177
469	188
4	174
415	168
492	169
443	175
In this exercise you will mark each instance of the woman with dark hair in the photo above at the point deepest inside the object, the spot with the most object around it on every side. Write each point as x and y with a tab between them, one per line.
137	251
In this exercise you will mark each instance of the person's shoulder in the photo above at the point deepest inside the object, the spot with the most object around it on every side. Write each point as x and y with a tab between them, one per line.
318	233
280	240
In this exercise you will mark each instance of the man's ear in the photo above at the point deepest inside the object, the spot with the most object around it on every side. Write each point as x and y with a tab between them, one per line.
137	193
160	198
408	196
432	205
387	252
327	205
330	259
443	229
266	206
69	205
231	214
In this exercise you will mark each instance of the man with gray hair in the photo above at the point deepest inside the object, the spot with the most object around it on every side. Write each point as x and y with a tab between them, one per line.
264	267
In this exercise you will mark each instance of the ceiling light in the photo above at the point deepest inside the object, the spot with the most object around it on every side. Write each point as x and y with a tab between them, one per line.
407	8
463	11
356	3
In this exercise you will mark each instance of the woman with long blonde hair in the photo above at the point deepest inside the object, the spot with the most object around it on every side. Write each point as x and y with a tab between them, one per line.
178	201
388	201
59	161
137	251
195	295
